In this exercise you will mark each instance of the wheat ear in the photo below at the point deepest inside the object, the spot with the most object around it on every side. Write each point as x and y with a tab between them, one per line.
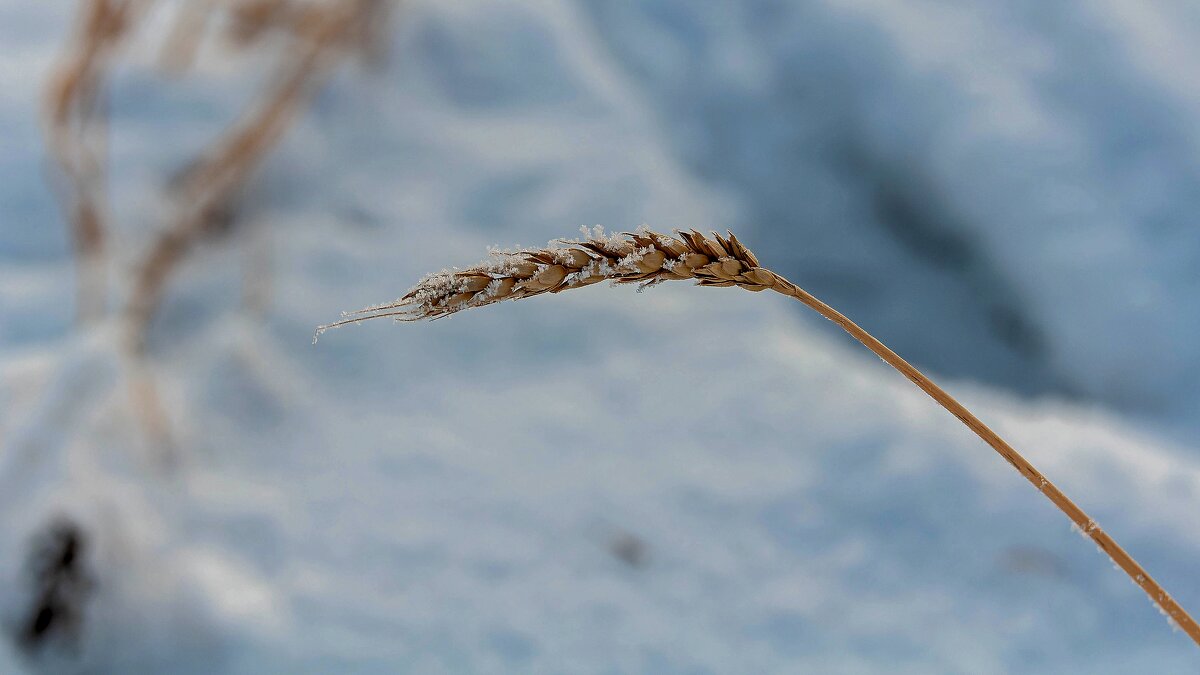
647	257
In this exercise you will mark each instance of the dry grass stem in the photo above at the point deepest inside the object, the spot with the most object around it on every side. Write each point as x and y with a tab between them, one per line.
307	39
313	37
319	34
76	132
647	257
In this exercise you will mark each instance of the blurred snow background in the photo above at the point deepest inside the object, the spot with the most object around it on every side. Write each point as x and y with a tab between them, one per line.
678	481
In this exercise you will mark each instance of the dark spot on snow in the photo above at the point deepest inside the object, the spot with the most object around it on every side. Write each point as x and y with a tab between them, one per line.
629	549
61	586
1033	561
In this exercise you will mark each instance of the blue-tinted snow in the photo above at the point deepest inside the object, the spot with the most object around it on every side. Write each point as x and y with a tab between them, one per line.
1004	193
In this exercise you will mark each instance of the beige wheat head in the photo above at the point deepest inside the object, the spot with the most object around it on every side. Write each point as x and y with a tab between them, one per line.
641	257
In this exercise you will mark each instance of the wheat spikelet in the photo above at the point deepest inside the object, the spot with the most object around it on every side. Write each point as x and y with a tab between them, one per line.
648	257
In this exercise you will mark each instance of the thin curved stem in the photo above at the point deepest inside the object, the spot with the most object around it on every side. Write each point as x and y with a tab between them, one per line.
1088	526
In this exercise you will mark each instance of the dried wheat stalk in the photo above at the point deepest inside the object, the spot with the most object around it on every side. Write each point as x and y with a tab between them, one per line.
647	257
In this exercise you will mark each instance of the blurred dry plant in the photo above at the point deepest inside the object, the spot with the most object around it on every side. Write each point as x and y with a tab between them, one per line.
305	39
319	36
76	132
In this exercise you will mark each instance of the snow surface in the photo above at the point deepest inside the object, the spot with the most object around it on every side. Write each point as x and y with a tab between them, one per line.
1004	192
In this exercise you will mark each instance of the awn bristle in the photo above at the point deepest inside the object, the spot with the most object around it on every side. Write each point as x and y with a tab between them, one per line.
648	258
642	257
